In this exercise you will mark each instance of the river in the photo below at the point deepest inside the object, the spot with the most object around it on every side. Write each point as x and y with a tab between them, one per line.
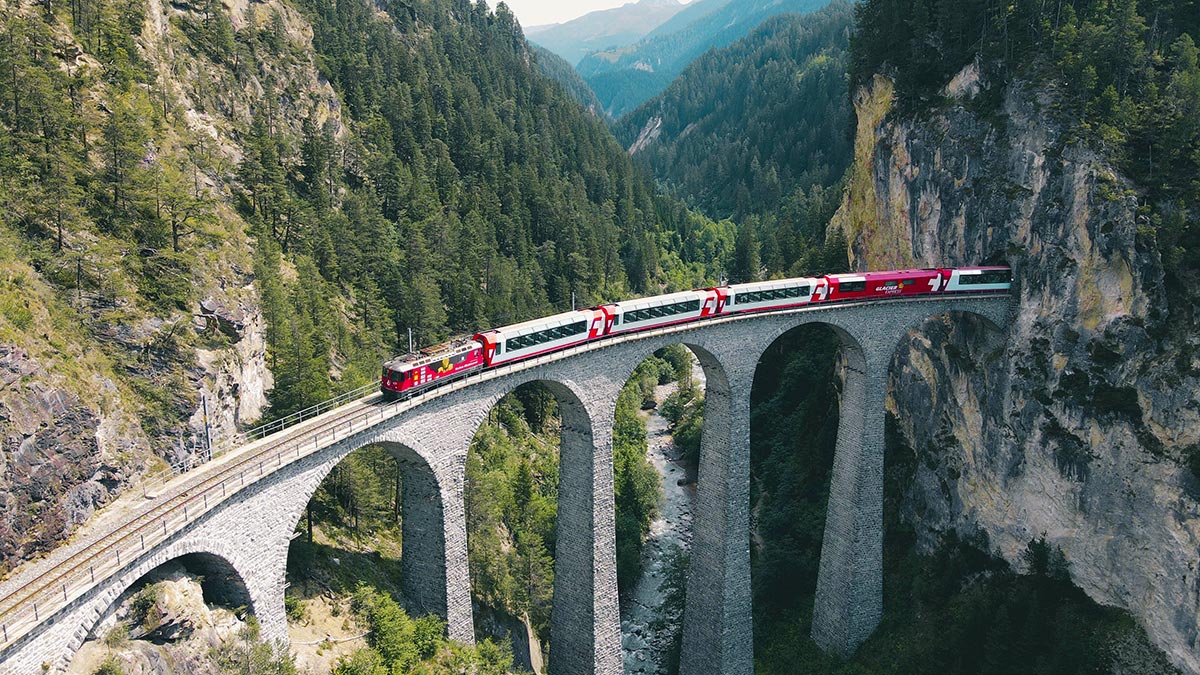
644	647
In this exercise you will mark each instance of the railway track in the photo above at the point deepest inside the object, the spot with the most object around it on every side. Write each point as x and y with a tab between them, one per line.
148	526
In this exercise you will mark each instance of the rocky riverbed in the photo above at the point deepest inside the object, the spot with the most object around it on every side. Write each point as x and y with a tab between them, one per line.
645	641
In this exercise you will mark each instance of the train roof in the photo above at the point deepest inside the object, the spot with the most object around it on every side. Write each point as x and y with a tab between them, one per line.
776	283
544	322
656	300
427	355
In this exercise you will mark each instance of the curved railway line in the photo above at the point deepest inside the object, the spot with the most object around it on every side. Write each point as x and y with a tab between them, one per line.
194	493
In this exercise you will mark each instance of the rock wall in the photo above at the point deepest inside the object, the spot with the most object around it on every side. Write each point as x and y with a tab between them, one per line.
1079	425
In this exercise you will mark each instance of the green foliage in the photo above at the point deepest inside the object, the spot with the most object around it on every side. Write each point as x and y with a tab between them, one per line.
117	636
619	76
793	429
512	501
637	483
471	191
746	127
250	654
362	493
558	69
400	644
142	604
512	495
685	410
674	590
294	608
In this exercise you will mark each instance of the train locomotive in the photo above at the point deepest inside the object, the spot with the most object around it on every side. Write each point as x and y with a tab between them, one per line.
432	366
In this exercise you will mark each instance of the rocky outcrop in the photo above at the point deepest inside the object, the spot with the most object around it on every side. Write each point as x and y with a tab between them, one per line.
233	380
164	628
53	474
1077	423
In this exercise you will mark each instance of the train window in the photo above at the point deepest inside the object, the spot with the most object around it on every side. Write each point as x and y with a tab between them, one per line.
852	286
891	284
617	320
986	277
909	282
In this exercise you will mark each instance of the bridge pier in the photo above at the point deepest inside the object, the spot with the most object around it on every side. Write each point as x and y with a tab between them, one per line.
585	620
718	634
433	533
849	597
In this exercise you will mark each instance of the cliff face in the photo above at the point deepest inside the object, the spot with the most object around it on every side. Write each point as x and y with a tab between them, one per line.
1079	422
96	386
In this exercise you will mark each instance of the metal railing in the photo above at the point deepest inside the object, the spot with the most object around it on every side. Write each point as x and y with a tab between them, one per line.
309	413
157	478
197	493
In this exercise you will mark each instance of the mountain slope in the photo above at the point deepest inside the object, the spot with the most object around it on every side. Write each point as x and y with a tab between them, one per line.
623	78
245	207
554	67
744	127
604	29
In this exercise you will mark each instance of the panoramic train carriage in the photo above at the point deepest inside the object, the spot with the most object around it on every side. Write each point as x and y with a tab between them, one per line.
531	338
978	279
661	310
522	340
871	285
777	294
427	366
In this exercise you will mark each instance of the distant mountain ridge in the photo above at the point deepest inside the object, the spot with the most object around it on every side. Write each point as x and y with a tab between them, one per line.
603	29
745	127
625	77
556	68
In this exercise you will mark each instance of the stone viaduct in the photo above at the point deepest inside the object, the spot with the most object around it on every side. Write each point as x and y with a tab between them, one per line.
245	528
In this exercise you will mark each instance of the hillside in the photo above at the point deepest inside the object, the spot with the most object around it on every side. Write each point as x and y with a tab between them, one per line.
623	78
554	67
604	29
745	127
245	207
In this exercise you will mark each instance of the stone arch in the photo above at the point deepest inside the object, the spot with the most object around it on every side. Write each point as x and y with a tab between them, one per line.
850	364
226	582
424	526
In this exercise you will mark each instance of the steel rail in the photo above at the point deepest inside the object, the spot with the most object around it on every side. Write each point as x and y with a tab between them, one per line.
193	488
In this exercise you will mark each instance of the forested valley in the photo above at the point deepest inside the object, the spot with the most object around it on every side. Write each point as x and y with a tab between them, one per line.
450	179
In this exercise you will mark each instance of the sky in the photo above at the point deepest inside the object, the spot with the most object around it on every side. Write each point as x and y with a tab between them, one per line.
539	12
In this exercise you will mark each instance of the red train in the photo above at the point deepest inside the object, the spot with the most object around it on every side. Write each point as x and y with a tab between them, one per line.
434	365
